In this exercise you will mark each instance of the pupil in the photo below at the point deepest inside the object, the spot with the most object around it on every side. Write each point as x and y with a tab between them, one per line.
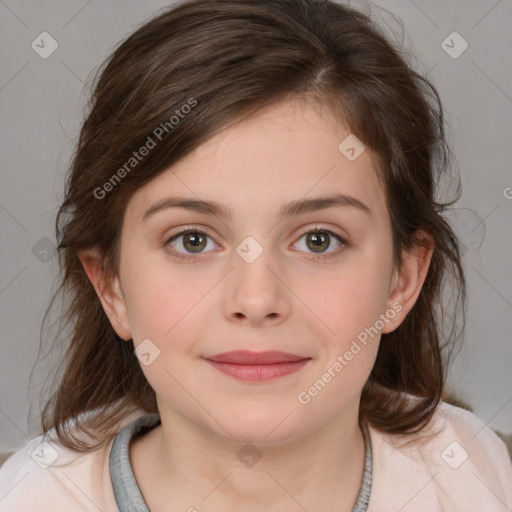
319	241
195	240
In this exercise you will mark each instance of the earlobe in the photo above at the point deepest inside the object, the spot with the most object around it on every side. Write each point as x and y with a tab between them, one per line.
409	278
109	292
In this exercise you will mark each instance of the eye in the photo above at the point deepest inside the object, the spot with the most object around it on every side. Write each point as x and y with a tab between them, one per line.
192	241
319	240
186	243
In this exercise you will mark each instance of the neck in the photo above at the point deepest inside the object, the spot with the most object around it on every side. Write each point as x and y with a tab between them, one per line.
323	468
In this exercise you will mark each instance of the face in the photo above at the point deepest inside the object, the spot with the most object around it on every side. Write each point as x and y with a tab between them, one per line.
316	282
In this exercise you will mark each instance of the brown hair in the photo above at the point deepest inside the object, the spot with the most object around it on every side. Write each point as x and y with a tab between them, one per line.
231	58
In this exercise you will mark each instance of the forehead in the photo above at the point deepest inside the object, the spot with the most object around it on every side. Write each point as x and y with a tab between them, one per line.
283	153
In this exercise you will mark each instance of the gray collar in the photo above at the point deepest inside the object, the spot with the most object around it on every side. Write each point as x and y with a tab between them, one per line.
127	492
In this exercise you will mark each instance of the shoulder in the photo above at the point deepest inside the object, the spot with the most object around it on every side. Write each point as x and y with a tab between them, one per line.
43	475
454	463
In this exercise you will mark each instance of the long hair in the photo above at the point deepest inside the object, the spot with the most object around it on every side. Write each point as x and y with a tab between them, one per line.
194	70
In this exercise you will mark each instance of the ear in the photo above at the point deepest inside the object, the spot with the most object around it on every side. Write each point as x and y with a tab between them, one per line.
108	291
408	280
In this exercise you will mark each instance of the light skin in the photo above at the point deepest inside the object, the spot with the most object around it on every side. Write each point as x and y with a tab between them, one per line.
311	455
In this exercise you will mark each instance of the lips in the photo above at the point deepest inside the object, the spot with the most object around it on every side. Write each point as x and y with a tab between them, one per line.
257	366
255	358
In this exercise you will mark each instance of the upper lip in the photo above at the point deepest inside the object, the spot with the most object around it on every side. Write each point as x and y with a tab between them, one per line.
248	357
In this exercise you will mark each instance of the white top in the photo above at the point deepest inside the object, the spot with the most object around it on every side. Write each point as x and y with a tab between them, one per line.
455	464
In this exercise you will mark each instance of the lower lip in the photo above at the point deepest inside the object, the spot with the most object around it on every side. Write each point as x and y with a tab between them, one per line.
259	372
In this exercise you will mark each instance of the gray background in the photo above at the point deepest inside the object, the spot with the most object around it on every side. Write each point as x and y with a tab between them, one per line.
41	102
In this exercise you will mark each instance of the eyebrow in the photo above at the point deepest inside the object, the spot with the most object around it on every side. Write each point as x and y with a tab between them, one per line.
293	208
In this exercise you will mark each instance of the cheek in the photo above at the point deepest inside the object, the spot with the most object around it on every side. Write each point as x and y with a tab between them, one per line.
352	309
160	301
165	308
349	299
164	313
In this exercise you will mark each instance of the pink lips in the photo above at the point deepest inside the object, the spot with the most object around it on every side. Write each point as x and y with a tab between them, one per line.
257	366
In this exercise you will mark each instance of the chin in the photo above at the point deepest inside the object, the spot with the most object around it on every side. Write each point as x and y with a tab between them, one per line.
263	425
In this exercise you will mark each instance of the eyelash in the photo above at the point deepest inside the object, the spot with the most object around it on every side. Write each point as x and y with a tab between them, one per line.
192	230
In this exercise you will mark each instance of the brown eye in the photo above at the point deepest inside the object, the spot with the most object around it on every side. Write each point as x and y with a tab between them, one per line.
318	242
189	242
194	242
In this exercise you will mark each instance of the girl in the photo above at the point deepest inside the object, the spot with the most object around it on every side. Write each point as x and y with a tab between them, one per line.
253	255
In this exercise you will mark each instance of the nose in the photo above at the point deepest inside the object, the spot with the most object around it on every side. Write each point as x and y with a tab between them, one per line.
257	294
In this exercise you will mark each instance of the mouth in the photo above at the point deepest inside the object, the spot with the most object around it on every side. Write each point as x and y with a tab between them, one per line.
257	366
